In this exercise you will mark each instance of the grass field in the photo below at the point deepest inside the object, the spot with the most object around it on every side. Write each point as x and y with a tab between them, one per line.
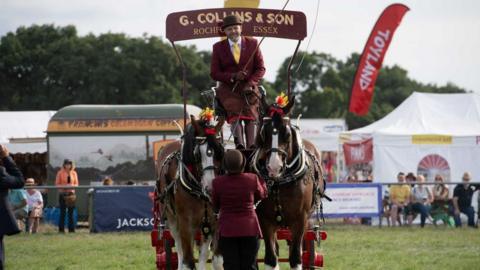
347	247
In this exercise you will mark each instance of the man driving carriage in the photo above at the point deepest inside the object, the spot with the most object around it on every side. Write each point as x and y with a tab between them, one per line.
237	64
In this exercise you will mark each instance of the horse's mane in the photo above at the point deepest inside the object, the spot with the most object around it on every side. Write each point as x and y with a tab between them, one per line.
188	145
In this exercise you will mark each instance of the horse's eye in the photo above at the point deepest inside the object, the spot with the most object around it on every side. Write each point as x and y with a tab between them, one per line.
286	133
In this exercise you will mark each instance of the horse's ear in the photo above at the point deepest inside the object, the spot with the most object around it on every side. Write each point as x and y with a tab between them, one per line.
221	121
195	125
288	108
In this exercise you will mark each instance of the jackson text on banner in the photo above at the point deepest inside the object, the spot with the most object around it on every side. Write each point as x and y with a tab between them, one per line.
372	58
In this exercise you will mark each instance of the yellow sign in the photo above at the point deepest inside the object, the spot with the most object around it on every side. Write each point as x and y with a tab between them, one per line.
241	3
113	125
431	139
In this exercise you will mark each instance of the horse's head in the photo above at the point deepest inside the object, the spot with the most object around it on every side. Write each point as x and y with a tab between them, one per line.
208	150
275	135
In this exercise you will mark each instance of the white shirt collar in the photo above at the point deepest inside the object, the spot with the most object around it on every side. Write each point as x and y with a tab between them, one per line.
239	43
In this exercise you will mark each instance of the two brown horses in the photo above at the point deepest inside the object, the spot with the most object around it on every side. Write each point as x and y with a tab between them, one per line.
291	168
289	165
185	173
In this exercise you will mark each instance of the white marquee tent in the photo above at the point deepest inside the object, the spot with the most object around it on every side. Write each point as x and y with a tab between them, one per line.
428	134
24	131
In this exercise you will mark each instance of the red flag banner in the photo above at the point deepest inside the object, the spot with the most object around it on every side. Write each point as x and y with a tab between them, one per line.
358	152
372	58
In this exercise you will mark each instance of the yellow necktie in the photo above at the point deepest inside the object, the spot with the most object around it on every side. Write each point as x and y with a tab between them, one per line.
236	52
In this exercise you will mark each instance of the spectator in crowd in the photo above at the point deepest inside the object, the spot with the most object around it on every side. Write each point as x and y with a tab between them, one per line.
18	202
421	199
108	181
351	179
462	201
440	201
10	178
440	190
400	197
411	179
235	194
66	176
35	205
130	183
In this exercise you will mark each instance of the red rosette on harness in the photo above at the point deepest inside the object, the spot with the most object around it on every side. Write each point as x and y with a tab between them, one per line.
209	131
275	109
280	102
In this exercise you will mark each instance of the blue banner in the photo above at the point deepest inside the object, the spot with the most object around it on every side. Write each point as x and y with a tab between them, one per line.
118	209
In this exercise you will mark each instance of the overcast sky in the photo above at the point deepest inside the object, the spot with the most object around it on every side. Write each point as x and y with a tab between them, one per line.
437	42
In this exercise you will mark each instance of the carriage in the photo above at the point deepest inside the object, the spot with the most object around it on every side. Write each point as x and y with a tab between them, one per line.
303	171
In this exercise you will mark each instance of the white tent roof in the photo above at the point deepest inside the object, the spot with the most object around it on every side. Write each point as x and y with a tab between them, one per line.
424	113
24	131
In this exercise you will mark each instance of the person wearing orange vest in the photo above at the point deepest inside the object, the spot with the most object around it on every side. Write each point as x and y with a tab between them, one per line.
66	176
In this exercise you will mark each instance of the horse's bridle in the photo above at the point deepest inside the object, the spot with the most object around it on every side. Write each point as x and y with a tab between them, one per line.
283	154
201	141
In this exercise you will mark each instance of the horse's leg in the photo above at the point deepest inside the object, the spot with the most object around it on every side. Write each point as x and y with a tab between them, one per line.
269	237
217	258
178	242
295	251
204	252
217	262
186	238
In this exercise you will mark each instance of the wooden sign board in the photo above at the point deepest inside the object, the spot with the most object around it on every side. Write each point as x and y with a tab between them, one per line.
206	23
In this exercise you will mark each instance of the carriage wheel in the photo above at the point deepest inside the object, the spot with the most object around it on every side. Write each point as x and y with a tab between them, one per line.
168	254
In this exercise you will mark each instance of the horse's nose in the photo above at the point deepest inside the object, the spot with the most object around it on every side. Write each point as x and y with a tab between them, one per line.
273	169
270	170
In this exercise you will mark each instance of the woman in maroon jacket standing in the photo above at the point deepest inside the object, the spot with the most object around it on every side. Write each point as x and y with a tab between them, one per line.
235	194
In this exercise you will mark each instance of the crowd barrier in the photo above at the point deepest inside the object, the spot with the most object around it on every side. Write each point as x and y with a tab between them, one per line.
129	208
122	209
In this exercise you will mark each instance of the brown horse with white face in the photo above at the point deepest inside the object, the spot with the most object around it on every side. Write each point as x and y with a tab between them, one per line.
291	168
185	173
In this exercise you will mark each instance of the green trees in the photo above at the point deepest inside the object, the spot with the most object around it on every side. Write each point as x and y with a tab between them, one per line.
48	67
44	67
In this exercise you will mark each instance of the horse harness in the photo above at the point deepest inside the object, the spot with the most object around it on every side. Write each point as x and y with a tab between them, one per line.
190	183
294	171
